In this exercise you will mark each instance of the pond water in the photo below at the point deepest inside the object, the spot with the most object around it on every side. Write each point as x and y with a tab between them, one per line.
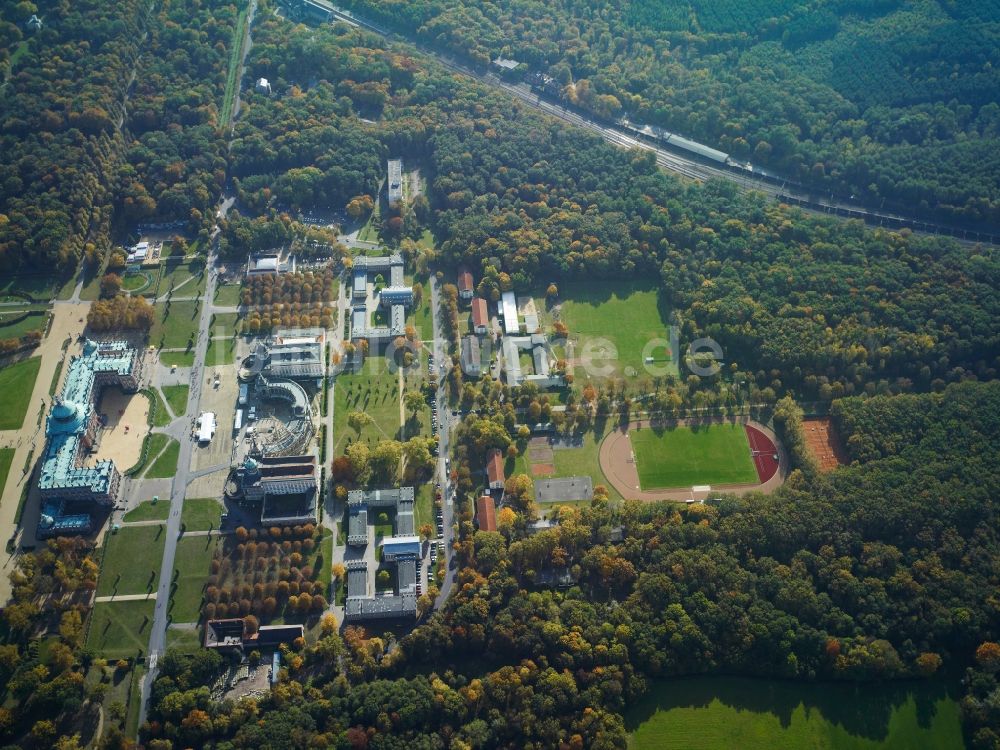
754	714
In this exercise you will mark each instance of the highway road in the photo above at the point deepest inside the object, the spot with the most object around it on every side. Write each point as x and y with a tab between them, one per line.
677	162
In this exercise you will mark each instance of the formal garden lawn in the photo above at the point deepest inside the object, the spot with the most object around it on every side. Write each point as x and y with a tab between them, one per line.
186	277
164	465
228	295
120	629
686	456
149	511
177	397
175	325
220	352
35	320
184	640
720	712
132	560
191	569
629	315
201	514
6	458
178	358
161	417
17	381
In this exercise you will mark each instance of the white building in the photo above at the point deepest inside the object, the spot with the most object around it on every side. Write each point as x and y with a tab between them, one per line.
263	86
508	308
206	427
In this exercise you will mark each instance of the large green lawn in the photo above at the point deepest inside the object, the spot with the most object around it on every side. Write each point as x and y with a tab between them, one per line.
628	315
16	385
191	569
683	456
6	457
132	560
174	325
722	712
375	391
120	629
201	513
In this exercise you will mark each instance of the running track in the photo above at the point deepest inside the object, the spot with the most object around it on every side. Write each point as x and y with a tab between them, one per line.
763	451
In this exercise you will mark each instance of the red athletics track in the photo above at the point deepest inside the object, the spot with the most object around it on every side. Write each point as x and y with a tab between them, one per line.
764	453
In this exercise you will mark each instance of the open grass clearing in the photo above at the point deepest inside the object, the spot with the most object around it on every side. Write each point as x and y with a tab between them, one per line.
132	560
191	569
149	511
165	464
120	630
611	324
233	72
687	456
705	713
17	382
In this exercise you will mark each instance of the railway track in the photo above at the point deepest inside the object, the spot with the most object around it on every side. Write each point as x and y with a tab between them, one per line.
686	166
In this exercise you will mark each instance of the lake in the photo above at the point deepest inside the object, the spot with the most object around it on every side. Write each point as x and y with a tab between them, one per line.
756	714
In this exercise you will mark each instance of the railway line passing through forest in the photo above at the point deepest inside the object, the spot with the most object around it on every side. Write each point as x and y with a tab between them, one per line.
746	176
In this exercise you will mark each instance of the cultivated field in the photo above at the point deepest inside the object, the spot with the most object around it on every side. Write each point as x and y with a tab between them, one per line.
687	456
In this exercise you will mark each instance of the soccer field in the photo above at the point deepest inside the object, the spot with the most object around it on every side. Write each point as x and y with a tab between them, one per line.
684	457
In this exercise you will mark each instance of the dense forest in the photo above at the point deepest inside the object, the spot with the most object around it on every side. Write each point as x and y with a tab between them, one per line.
816	307
884	569
110	113
884	100
176	160
60	145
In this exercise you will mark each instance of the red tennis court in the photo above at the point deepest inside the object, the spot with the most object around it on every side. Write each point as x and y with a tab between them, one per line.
764	453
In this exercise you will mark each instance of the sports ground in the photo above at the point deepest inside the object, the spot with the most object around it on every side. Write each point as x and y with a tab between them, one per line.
686	456
658	463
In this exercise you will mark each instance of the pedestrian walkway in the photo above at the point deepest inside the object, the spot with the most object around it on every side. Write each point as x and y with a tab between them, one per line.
125	597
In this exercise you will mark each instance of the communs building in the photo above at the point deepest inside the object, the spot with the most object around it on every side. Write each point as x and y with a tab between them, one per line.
403	550
72	432
393	299
284	488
